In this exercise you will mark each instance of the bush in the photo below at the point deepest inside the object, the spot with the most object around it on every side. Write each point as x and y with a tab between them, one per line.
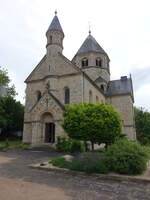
64	144
76	146
126	157
90	163
59	162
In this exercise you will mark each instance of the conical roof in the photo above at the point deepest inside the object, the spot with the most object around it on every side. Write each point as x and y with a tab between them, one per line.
90	45
55	25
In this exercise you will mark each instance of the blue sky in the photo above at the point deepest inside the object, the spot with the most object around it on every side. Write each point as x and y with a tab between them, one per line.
122	28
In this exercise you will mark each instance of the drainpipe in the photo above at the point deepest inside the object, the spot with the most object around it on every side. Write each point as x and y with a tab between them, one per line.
82	87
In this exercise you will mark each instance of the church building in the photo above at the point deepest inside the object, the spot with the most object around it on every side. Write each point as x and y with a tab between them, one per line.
57	81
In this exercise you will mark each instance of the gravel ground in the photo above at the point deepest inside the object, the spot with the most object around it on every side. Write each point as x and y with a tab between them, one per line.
19	182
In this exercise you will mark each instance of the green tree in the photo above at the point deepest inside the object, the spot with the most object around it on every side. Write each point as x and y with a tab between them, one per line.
98	123
5	81
142	124
11	115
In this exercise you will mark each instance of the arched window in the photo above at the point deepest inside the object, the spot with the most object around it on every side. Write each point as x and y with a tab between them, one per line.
38	95
90	97
84	62
50	39
67	96
97	99
98	62
102	87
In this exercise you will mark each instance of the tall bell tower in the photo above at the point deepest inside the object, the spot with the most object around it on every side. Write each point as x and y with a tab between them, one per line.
55	36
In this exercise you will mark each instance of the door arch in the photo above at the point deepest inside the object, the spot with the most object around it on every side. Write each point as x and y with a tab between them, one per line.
48	128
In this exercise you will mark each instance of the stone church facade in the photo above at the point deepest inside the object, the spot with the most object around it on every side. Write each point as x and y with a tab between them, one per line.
56	81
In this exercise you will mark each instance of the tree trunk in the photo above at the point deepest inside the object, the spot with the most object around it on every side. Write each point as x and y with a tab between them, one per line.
92	144
106	145
85	145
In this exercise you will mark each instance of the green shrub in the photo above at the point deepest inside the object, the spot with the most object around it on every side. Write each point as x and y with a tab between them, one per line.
23	146
76	146
4	145
9	144
126	157
59	162
90	163
64	144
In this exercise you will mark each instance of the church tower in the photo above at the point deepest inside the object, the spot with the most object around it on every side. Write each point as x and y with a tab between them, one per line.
55	36
93	60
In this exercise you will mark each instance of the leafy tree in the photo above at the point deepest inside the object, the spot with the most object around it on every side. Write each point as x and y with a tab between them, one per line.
5	81
142	123
98	123
3	121
11	115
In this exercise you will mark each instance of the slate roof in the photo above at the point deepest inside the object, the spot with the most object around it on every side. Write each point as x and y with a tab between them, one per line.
55	25
99	80
118	87
90	45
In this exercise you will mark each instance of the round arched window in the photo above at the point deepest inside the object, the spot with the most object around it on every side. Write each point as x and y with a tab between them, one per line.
99	62
67	96
90	97
84	62
38	93
102	87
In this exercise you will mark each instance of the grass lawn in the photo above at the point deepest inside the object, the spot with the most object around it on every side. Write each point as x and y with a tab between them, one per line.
9	144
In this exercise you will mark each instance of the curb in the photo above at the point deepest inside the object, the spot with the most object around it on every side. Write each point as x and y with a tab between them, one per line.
114	177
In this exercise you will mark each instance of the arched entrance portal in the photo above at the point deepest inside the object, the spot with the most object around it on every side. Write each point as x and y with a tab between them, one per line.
48	127
49	132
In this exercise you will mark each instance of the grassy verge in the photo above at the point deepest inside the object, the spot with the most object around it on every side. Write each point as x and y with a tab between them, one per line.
10	144
59	162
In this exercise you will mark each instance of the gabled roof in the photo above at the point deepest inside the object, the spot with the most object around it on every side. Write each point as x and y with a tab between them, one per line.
90	45
119	87
53	97
38	65
55	25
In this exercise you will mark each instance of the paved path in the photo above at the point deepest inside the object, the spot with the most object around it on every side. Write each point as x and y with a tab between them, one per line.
19	182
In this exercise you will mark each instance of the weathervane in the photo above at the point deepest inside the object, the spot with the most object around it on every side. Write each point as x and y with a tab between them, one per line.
89	28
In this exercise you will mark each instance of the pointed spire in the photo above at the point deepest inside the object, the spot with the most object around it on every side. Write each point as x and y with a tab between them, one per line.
55	24
90	45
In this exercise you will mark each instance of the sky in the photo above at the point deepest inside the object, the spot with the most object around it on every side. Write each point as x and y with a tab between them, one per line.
121	27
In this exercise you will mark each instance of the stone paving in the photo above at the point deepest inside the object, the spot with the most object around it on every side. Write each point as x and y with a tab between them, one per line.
19	182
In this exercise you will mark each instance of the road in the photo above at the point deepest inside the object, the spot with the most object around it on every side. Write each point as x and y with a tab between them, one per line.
19	182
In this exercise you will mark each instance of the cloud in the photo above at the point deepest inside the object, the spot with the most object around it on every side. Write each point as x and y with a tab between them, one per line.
142	96
121	27
141	77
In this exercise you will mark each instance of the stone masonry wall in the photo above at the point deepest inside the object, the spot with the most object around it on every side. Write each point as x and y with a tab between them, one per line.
88	87
124	105
93	71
